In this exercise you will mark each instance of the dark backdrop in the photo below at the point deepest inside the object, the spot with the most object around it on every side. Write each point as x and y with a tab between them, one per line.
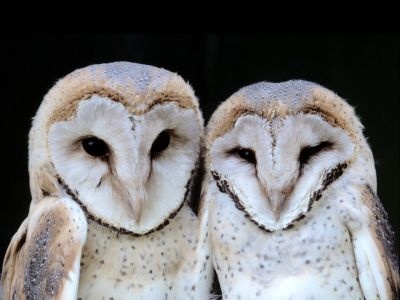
361	68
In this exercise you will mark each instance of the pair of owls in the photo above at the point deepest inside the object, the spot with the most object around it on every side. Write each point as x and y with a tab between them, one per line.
288	208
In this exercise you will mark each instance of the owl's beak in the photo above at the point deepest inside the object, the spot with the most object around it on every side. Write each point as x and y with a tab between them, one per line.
136	199
136	205
130	183
276	199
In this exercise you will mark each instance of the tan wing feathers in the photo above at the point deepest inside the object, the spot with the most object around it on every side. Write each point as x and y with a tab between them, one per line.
42	260
384	239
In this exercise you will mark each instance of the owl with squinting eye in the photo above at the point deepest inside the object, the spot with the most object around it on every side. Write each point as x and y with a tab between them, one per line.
291	198
112	152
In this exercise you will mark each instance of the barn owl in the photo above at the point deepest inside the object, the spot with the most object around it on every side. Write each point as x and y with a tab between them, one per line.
112	152
291	198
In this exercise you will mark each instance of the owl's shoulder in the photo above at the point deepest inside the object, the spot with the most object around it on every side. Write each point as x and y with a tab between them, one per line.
44	253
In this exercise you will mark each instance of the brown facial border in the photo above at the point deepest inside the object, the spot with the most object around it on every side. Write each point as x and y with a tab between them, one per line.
329	177
75	196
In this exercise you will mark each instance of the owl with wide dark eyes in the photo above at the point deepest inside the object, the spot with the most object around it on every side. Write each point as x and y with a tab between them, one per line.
291	198
112	152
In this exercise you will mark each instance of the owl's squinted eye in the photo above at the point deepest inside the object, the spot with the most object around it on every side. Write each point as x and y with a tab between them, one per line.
112	152
291	195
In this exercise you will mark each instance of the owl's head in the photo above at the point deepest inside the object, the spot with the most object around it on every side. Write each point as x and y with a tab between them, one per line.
275	148
122	139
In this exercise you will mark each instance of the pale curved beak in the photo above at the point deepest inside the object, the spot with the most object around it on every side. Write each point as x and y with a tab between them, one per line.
276	199
132	197
136	204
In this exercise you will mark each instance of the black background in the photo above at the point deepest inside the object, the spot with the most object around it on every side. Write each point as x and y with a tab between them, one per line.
361	68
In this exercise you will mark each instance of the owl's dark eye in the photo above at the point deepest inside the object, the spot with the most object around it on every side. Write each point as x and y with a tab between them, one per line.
247	154
160	143
95	146
307	152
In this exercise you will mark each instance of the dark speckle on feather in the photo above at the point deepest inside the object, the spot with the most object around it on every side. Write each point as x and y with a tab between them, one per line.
42	279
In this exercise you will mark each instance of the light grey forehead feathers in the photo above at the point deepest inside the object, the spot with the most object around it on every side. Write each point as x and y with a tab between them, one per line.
291	93
126	74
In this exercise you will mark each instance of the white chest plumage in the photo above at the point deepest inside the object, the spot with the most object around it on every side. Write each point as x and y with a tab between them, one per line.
120	266
310	260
